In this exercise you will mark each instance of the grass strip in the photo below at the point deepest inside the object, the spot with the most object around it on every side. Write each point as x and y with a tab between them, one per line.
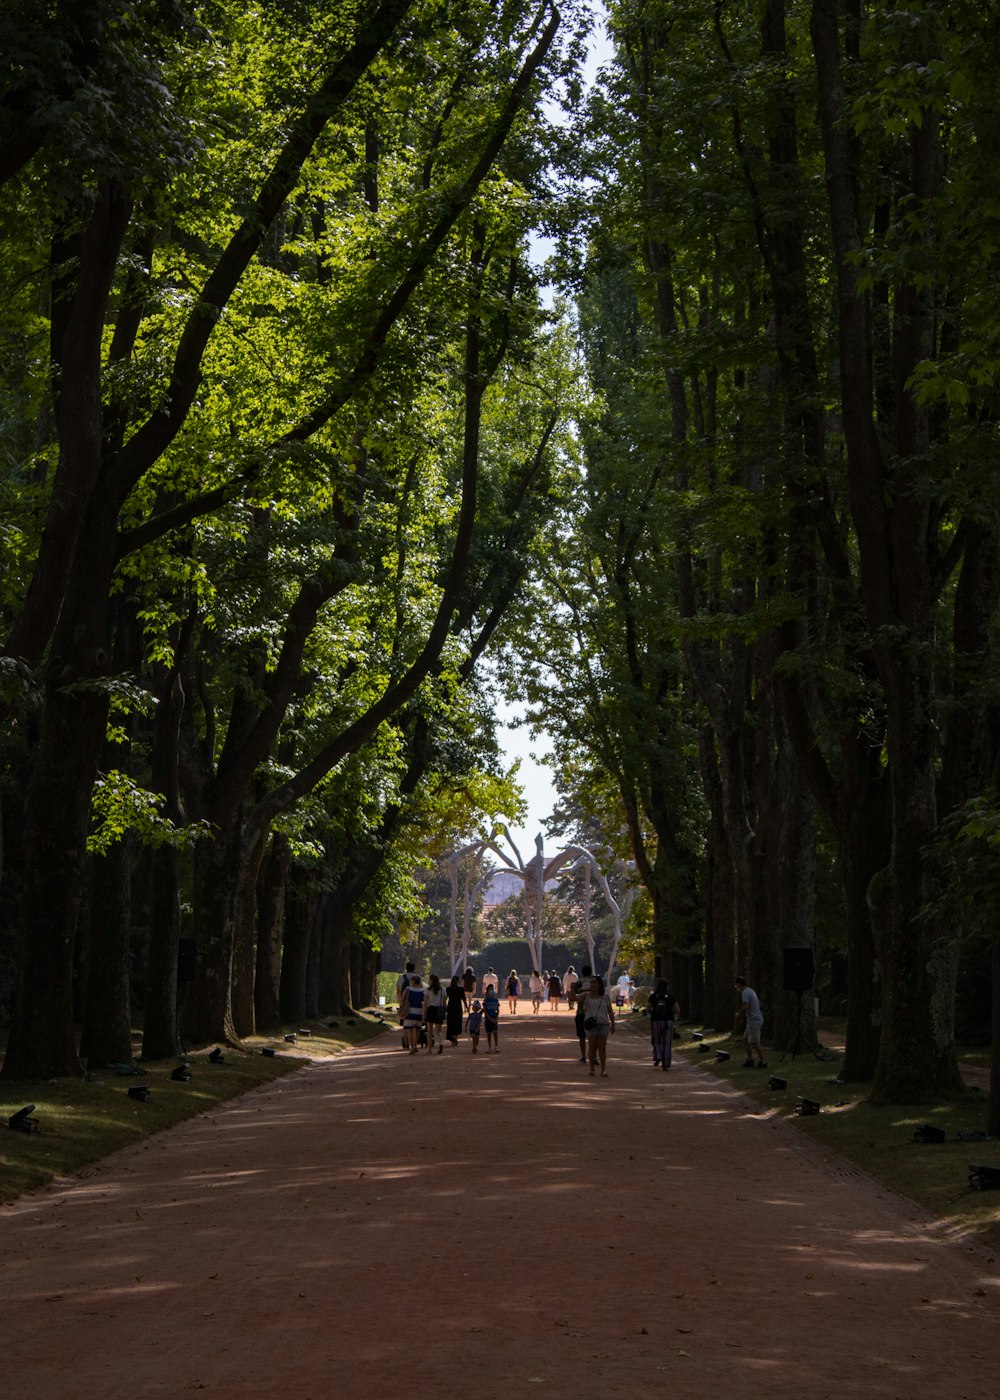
81	1121
878	1138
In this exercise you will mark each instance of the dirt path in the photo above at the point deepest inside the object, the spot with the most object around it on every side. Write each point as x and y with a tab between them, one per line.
492	1225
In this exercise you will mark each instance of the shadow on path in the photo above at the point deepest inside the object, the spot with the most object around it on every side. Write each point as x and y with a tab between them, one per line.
505	1222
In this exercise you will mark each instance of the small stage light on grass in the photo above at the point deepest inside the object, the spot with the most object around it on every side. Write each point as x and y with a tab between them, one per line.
291	1038
984	1178
304	1030
182	1074
807	1107
704	1049
927	1132
217	1057
140	1092
22	1121
268	1051
697	1035
721	1056
776	1082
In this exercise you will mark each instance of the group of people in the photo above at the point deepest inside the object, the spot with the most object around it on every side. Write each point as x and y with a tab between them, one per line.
434	1015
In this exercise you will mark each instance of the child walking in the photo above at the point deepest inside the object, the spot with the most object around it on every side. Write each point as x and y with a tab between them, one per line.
491	1021
475	1025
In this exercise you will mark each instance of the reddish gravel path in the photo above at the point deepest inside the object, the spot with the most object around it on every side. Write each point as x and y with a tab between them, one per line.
348	1230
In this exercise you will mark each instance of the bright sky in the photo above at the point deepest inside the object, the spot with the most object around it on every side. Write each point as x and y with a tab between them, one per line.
535	778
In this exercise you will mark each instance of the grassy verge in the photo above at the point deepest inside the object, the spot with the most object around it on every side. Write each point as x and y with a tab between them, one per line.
878	1138
81	1121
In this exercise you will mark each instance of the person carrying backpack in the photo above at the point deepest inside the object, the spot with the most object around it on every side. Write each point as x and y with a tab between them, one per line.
663	1009
491	1021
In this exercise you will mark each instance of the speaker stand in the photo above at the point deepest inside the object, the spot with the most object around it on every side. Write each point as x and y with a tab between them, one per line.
801	1042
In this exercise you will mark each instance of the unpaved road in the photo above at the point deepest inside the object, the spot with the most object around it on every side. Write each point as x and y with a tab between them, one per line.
491	1226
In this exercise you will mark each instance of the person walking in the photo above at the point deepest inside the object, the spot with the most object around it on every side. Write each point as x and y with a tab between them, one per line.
599	1023
579	988
469	984
491	1020
513	991
456	1005
434	1014
475	1026
537	989
752	1017
402	982
413	1013
569	978
663	1009
555	989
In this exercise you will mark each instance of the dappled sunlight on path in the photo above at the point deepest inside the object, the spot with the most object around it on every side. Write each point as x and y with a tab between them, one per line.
647	1232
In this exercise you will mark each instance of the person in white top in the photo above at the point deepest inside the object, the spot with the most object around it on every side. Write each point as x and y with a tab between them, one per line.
490	976
625	988
537	989
753	1017
570	979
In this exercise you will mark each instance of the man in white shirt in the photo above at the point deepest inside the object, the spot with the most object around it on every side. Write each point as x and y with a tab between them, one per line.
490	976
625	989
752	1016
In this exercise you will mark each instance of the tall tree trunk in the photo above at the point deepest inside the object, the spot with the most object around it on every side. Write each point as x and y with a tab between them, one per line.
244	937
271	887
300	922
106	1036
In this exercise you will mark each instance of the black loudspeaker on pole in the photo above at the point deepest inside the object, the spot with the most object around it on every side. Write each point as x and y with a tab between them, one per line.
798	969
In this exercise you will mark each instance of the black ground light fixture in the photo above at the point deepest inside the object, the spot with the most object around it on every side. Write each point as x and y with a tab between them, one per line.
697	1035
22	1121
140	1092
182	1074
984	1178
704	1049
807	1107
776	1082
927	1132
304	1030
268	1051
721	1056
291	1037
217	1057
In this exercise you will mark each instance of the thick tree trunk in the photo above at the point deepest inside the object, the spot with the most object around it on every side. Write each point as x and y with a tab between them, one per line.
160	1030
271	886
244	938
993	1105
300	921
42	1044
106	1037
720	958
160	1039
208	1013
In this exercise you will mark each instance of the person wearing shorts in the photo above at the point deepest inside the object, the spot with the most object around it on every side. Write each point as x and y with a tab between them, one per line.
491	1021
513	991
537	989
434	1014
750	1014
598	1023
413	1013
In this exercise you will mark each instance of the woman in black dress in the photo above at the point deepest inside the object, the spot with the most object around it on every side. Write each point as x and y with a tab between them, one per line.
456	1005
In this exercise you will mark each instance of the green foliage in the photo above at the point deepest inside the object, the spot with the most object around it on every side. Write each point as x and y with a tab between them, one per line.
121	806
